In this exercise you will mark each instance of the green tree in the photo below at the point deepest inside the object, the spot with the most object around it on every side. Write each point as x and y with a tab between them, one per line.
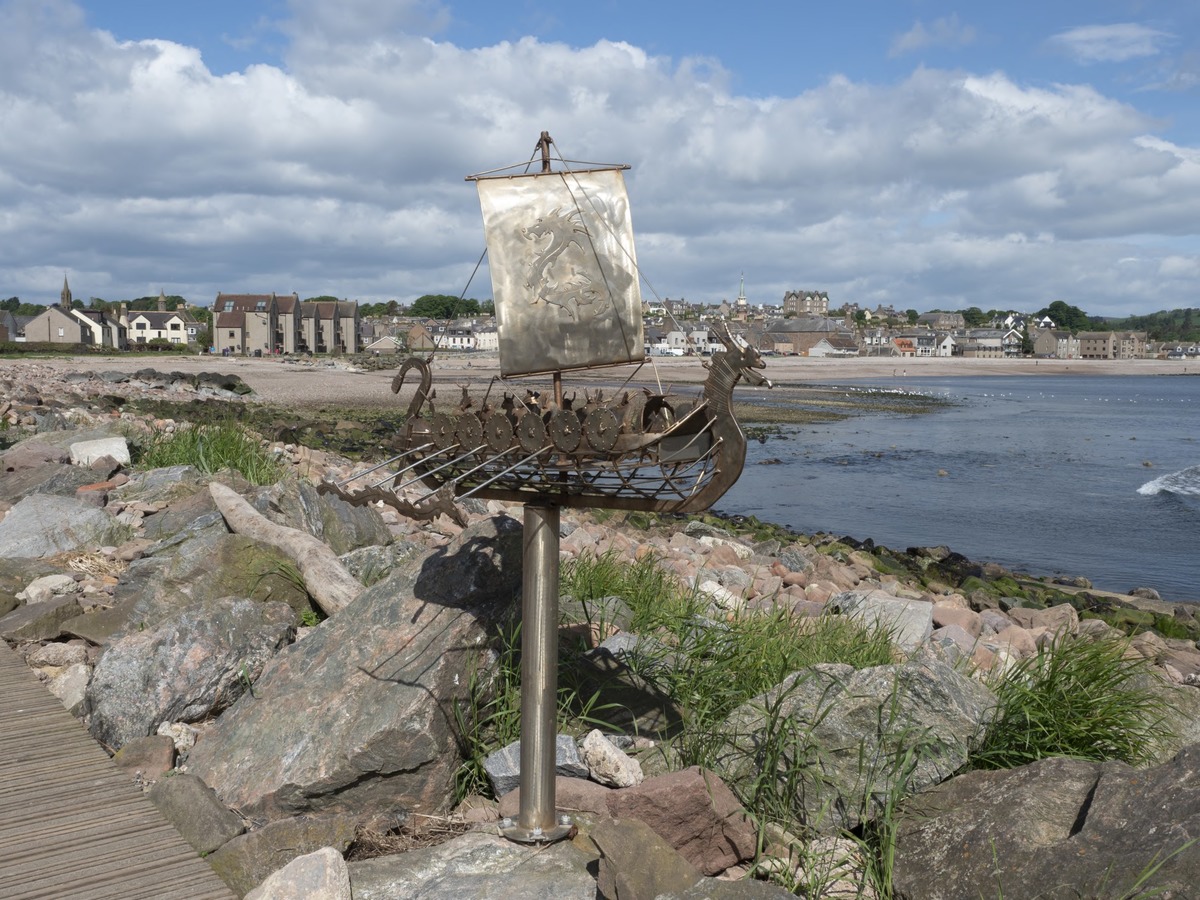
173	301
324	298
12	304
1072	318
443	306
973	316
860	317
913	315
1026	344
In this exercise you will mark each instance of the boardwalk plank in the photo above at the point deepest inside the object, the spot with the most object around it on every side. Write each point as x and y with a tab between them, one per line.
72	826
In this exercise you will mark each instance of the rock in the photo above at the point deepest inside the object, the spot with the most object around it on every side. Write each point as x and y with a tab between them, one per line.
359	716
200	568
721	597
375	563
16	573
503	767
908	622
70	686
58	655
695	813
45	525
477	866
607	764
84	453
854	726
834	868
297	504
182	735
148	758
608	614
191	666
745	889
249	859
1060	619
185	517
1145	593
192	807
630	704
42	589
39	621
967	619
322	875
32	455
1056	828
637	864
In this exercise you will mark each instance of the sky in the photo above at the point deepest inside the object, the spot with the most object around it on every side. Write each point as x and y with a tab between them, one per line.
912	153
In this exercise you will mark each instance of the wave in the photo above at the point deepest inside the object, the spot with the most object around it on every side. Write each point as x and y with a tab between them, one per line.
1185	482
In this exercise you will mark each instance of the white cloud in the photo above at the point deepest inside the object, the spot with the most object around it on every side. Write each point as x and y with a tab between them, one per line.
944	32
1111	43
135	167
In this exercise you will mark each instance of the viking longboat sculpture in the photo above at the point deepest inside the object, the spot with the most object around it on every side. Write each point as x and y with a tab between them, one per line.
567	297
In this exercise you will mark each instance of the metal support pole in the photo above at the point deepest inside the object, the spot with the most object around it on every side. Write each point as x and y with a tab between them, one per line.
537	820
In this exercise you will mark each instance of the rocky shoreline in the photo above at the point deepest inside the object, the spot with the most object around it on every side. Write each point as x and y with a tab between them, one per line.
189	650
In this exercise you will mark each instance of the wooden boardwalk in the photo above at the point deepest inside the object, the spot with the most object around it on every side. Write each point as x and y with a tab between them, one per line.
71	824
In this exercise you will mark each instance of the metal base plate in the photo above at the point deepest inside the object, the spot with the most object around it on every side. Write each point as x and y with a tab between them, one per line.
522	835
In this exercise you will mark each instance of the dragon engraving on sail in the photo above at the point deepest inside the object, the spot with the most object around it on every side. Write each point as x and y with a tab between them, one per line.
567	294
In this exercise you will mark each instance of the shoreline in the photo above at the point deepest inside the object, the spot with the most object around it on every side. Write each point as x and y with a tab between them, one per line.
335	388
318	382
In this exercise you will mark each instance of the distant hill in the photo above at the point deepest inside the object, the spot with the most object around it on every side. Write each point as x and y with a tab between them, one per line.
1170	325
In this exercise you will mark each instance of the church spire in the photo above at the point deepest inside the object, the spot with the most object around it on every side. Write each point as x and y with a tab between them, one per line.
64	298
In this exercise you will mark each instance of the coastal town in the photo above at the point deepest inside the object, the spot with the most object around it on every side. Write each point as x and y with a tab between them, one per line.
804	324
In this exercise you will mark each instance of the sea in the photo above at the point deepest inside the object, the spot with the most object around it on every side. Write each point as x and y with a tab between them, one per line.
1066	475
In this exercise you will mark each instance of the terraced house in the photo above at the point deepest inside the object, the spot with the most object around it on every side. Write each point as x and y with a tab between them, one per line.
173	326
269	324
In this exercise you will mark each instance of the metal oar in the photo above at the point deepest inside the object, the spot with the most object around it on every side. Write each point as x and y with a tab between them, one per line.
386	462
530	458
445	465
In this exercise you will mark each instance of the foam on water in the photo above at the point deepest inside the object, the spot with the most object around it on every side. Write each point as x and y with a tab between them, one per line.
1185	482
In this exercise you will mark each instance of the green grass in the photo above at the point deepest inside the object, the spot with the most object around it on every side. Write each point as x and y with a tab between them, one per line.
1079	698
490	718
210	448
708	665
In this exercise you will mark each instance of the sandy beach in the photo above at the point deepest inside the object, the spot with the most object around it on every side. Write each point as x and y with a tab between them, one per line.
323	382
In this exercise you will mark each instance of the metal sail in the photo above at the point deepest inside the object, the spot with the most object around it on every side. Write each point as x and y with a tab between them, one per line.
564	273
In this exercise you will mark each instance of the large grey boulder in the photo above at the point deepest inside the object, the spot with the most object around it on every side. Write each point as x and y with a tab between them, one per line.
852	737
1057	828
359	717
191	666
636	862
477	866
191	806
342	526
44	525
315	876
205	566
908	622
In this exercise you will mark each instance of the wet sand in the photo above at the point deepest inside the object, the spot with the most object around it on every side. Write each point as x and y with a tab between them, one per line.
332	383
